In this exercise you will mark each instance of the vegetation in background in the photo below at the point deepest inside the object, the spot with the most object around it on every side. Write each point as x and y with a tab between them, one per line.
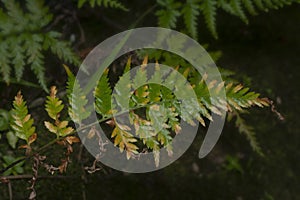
29	39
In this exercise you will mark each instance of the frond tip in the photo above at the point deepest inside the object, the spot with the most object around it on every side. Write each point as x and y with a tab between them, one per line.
124	140
77	100
105	3
22	122
53	107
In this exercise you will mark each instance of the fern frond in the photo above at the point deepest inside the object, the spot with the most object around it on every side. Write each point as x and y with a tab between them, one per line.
123	89
23	40
4	62
260	5
190	14
170	11
167	17
53	104
249	6
208	8
35	58
238	10
141	93
22	122
53	107
239	97
226	6
148	130
39	14
163	110
247	130
124	140
18	57
77	100
102	95
105	3
60	48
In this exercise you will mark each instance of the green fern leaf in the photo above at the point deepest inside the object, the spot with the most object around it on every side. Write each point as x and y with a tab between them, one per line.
60	48
208	8
249	6
248	131
22	122
103	96
105	3
145	130
226	6
53	107
4	60
16	15
77	100
123	89
17	56
190	13
260	5
53	104
37	66
167	17
24	40
39	14
238	10
140	96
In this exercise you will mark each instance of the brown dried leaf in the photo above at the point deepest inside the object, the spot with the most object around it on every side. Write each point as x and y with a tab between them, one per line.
32	138
72	139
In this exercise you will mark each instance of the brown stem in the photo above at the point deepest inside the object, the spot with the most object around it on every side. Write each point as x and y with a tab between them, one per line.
29	176
10	190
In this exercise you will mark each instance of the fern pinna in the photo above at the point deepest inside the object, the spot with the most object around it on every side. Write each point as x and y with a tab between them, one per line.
105	3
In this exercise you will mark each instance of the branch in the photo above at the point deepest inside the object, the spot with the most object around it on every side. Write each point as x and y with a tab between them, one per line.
13	164
4	179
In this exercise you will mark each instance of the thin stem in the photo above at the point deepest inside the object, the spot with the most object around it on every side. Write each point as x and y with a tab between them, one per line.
10	190
29	176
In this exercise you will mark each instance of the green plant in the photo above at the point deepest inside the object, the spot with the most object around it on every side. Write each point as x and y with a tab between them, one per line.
105	3
171	10
17	169
160	103
25	39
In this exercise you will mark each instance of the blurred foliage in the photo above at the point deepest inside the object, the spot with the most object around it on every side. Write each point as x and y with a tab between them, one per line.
190	10
25	37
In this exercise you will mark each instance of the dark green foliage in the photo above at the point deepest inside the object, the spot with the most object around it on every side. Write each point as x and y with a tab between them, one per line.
103	96
17	169
105	3
171	10
167	17
77	100
24	40
190	14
